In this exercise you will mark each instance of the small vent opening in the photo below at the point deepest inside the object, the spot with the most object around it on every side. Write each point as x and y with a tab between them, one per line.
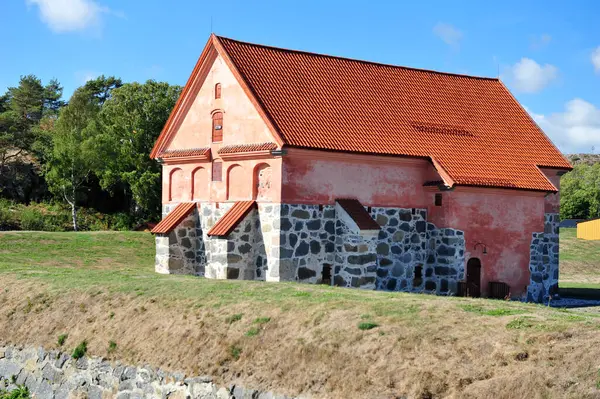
326	275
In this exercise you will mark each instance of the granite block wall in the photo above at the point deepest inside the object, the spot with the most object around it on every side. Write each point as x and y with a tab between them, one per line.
414	255
543	263
306	242
313	243
182	251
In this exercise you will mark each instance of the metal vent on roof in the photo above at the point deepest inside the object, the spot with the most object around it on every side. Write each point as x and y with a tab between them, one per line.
440	129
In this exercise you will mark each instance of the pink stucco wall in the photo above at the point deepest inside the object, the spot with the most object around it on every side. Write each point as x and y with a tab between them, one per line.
241	184
503	220
318	177
553	200
241	121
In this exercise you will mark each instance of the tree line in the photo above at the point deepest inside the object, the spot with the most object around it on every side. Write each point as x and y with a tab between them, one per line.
92	150
580	192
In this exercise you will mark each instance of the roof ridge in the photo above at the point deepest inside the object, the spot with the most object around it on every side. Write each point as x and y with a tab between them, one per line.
382	64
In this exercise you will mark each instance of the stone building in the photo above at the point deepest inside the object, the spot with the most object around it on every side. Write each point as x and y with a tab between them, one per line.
284	165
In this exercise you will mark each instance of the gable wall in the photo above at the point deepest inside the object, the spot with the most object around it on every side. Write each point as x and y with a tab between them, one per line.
242	124
241	121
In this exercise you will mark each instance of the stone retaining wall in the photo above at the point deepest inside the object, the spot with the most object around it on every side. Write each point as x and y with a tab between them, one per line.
54	374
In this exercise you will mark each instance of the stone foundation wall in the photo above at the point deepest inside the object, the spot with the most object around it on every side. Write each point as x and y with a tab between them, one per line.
306	241
287	242
268	261
355	254
182	251
543	263
408	247
55	374
216	247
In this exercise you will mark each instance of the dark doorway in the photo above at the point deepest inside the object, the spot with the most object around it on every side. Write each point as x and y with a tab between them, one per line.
326	274
474	278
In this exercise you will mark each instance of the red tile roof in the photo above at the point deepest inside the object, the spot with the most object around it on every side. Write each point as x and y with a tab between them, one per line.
231	218
358	213
174	217
184	153
473	127
230	149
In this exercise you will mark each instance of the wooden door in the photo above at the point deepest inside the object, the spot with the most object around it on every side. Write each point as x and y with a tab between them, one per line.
474	278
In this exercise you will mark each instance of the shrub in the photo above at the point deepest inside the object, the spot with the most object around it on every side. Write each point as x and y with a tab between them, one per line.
32	219
21	392
80	350
57	217
112	347
62	338
367	325
235	351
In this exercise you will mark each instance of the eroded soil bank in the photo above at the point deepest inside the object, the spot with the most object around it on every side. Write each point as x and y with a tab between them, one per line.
331	343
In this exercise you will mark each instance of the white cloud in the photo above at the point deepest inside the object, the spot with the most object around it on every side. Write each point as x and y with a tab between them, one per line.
528	76
576	129
448	33
69	15
596	59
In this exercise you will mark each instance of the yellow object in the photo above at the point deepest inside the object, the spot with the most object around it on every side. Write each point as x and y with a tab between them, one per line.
589	230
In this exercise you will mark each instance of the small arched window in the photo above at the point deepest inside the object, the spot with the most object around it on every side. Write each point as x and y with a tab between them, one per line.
217	127
218	91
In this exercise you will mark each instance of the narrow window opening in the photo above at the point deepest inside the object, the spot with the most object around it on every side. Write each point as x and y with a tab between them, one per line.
217	171
438	200
418	277
320	208
369	209
218	91
217	127
326	275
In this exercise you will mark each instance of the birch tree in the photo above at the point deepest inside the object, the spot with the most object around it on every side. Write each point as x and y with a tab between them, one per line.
69	165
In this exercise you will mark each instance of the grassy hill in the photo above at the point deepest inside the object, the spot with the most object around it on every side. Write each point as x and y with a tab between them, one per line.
579	261
291	338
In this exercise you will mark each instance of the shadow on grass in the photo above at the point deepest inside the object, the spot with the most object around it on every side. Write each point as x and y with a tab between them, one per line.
580	292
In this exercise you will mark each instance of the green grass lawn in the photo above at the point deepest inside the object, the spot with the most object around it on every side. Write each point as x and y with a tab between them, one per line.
579	261
123	262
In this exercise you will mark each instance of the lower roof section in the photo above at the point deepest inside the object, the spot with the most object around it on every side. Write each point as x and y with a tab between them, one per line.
231	218
174	217
357	212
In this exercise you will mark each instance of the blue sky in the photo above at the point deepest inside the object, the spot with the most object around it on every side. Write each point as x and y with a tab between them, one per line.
547	52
